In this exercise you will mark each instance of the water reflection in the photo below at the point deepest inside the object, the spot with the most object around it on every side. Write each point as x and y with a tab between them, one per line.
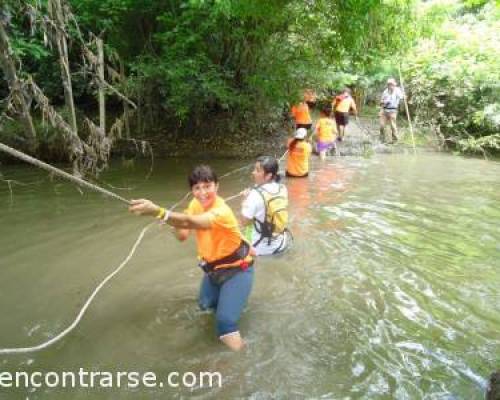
390	291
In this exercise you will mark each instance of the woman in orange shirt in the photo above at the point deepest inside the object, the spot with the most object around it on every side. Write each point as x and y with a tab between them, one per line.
299	151
225	256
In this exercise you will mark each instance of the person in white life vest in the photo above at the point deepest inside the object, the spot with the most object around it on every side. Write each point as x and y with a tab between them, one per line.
265	209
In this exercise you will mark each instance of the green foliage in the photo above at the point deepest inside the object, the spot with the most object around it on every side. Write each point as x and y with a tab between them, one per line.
453	79
243	61
238	57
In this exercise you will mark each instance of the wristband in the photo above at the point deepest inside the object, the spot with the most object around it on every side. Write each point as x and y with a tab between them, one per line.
161	213
164	216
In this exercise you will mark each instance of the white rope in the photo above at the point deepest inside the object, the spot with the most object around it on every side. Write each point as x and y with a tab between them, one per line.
235	196
283	156
57	171
18	350
55	339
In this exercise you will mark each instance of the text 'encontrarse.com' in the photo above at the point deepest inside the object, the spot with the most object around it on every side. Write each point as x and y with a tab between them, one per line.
102	379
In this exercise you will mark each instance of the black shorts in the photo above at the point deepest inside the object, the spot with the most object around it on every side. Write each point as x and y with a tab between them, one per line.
296	176
341	118
307	126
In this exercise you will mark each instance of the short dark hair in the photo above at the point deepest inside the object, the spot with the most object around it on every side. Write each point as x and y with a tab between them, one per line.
270	166
201	173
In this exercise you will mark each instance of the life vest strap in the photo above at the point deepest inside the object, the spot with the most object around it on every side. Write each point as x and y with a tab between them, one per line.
240	258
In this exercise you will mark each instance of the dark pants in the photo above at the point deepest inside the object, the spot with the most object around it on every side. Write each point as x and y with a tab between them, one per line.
306	126
227	299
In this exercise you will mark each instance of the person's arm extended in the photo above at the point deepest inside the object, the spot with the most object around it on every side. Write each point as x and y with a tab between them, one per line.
180	221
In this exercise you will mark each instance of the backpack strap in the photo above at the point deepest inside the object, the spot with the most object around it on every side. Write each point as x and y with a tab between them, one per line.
262	228
265	229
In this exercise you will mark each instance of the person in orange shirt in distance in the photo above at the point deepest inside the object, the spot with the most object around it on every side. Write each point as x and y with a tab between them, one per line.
299	151
342	105
301	115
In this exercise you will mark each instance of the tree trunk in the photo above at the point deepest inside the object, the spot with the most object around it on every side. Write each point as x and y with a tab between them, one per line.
56	14
102	101
125	104
15	85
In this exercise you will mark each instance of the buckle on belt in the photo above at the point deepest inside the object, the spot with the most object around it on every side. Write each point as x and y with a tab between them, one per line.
204	266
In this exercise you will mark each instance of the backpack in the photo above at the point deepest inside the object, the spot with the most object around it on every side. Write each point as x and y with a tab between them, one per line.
276	218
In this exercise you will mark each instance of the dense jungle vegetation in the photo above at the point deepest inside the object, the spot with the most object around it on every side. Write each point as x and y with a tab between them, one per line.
182	68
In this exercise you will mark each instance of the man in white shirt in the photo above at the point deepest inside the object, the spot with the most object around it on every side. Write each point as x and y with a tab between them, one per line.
265	207
389	103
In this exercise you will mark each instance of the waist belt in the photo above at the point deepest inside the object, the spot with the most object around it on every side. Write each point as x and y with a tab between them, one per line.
240	258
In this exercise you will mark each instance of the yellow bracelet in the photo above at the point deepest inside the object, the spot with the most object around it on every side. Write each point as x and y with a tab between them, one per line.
161	213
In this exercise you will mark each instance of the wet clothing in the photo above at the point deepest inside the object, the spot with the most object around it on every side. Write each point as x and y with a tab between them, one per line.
298	158
225	259
324	146
227	300
254	208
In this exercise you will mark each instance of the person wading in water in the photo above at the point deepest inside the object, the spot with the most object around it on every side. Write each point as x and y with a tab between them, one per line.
299	151
301	115
225	257
325	133
342	105
266	208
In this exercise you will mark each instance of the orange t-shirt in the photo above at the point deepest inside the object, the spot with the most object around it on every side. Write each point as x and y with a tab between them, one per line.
325	130
298	158
344	103
223	237
301	114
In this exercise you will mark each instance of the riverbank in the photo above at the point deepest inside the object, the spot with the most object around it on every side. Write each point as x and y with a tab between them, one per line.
220	141
217	137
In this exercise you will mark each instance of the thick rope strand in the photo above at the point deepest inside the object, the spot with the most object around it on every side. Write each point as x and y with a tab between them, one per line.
73	325
61	173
